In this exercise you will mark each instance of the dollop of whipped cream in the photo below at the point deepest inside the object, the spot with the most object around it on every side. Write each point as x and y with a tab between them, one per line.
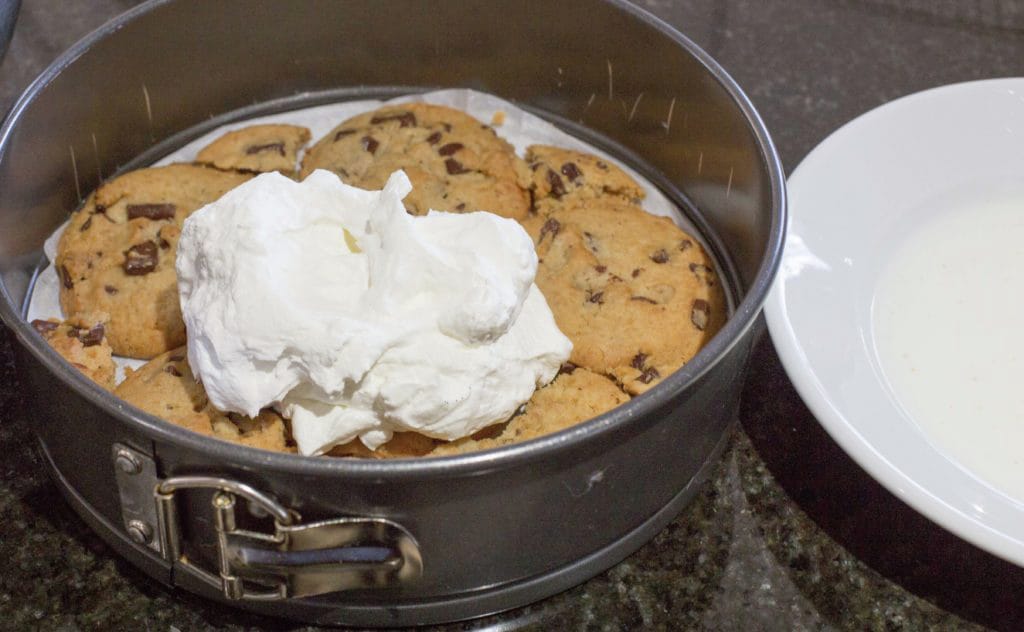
355	319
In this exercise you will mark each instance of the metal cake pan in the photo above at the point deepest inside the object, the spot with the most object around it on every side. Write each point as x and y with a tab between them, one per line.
404	541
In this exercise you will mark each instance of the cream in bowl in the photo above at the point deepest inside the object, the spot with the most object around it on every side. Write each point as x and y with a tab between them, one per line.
948	319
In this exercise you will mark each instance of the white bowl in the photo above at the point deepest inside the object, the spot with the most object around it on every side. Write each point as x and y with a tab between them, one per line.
853	201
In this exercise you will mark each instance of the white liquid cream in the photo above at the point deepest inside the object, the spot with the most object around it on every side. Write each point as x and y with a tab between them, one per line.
948	317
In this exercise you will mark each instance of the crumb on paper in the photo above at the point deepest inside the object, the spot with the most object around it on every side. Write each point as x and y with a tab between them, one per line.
498	118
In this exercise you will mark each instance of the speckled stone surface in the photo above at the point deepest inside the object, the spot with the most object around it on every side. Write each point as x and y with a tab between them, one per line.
788	534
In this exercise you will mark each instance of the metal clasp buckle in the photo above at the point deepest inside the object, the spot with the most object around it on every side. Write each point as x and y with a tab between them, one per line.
296	560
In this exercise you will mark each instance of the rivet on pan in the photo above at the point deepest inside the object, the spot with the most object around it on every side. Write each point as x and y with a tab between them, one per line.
223	501
140	532
127	462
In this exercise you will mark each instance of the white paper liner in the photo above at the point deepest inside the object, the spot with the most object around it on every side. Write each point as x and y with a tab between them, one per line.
520	128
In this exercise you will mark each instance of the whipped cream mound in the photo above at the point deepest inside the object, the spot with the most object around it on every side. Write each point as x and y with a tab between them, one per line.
355	319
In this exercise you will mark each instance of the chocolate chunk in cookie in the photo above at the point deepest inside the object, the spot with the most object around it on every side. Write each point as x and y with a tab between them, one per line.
82	342
165	387
563	176
117	254
257	149
454	163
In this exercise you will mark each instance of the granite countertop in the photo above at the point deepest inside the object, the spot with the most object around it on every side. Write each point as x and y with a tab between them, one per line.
789	534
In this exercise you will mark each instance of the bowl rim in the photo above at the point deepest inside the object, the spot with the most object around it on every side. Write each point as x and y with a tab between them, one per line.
742	320
814	393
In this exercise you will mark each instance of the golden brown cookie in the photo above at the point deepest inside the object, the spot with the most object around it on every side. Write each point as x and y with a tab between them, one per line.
637	296
257	149
166	387
403	445
454	162
575	396
563	176
116	255
82	343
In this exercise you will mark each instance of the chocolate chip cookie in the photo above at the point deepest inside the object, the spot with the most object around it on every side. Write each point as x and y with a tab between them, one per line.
166	387
116	256
575	396
83	343
563	176
637	296
403	445
454	162
257	149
